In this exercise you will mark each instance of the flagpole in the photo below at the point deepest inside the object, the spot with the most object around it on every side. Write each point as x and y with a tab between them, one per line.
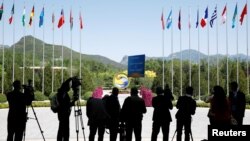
190	69
208	61
53	52
43	57
14	46
237	44
80	53
172	62
227	53
34	49
3	55
247	50
180	61
24	55
199	71
163	56
62	58
217	48
71	28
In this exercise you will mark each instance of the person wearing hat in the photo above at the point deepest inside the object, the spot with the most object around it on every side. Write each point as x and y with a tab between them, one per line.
186	106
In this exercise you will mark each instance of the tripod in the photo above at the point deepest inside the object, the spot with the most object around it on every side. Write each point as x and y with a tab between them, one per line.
32	118
78	118
183	129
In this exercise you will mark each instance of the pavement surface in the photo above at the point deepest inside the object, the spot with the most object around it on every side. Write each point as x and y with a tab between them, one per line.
48	122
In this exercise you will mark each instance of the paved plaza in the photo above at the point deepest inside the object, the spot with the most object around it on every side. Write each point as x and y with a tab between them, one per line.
49	124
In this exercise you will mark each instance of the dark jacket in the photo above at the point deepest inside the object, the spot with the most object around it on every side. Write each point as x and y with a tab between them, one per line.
238	104
186	106
161	105
113	107
133	109
65	104
96	111
17	106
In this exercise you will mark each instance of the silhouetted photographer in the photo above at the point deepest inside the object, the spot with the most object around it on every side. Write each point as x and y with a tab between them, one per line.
186	106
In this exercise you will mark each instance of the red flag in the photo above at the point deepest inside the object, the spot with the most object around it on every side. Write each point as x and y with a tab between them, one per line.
61	20
162	21
11	16
81	23
224	16
243	13
204	19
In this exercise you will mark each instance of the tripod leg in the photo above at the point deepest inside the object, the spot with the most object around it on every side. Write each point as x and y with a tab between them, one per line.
38	122
79	111
76	122
174	135
191	135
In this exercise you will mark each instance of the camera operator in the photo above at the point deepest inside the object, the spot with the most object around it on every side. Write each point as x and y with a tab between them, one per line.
17	112
64	109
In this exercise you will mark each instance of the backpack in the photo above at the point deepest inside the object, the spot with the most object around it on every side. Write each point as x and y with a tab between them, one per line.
54	104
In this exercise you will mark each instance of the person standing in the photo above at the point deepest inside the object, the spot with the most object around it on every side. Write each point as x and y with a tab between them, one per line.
161	116
132	113
238	103
64	110
113	109
17	115
186	106
97	115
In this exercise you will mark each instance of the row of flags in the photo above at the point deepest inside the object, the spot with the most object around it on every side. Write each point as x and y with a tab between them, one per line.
41	17
203	21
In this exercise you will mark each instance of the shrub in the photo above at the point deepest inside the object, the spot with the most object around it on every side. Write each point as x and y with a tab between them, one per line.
87	95
2	98
248	99
39	96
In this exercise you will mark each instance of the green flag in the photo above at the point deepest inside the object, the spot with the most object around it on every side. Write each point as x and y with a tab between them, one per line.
23	17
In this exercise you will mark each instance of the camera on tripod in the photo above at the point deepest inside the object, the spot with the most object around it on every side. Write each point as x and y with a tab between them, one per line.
76	82
29	92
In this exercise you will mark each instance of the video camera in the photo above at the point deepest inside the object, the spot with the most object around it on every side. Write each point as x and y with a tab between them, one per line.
76	82
29	92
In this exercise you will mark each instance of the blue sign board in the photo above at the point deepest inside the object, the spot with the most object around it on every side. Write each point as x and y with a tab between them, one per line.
136	66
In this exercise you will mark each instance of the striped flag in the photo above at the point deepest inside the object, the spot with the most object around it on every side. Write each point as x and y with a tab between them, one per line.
12	13
32	15
169	20
214	16
234	16
243	13
197	22
71	20
162	21
23	17
1	12
41	18
179	20
61	20
204	19
81	22
224	15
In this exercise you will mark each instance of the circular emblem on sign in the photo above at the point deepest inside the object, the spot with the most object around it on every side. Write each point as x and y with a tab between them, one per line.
121	81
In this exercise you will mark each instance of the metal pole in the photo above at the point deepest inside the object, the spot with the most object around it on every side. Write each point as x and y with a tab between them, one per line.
43	62
190	68
199	71
62	58
3	56
172	62
237	44
217	48
53	52
208	67
14	46
34	49
227	54
247	51
181	62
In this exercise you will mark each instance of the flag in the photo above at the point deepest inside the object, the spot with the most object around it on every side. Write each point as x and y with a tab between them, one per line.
41	17
204	19
23	17
81	22
197	22
234	16
243	13
224	16
32	15
214	16
179	20
61	20
169	20
71	20
53	18
1	12
162	21
11	16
